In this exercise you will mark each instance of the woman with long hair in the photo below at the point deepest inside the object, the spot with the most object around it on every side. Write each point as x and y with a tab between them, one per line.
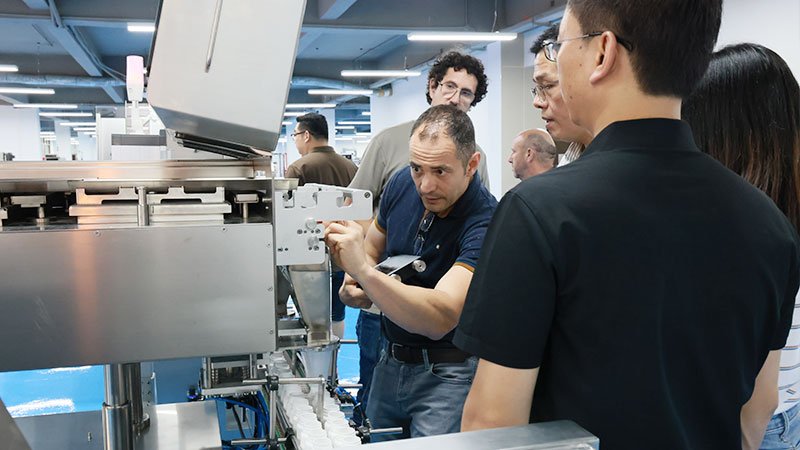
746	114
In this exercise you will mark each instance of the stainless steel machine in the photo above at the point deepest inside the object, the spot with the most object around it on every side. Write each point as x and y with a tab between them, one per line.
116	263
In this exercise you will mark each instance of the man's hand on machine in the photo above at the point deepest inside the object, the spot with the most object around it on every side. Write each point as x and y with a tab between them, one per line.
345	239
352	295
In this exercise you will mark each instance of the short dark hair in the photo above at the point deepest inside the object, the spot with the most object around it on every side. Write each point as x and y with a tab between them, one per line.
458	61
448	121
671	40
746	114
550	34
315	124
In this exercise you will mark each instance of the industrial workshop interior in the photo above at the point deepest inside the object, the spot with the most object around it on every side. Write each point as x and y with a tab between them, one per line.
173	260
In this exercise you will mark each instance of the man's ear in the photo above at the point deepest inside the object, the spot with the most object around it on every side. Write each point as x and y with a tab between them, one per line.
432	85
607	56
530	154
472	164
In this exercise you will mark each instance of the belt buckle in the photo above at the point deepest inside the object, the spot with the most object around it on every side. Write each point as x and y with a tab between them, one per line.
392	347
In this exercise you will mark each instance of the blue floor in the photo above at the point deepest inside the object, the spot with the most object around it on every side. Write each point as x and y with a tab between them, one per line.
55	391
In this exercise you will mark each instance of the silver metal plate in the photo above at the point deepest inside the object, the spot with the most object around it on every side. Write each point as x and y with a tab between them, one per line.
177	426
560	435
85	297
10	435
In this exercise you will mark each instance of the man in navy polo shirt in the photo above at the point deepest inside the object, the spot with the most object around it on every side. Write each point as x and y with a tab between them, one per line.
439	210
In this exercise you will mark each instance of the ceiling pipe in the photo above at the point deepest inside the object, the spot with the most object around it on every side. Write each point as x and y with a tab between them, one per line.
59	81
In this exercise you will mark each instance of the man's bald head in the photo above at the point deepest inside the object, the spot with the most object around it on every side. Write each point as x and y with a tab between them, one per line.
532	152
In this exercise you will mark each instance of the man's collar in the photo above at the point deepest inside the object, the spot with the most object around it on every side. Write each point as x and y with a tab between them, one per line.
655	134
322	148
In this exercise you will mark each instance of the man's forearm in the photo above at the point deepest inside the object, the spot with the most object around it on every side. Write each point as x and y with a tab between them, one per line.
429	312
758	410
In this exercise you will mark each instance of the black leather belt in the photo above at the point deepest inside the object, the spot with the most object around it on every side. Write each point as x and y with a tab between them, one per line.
416	355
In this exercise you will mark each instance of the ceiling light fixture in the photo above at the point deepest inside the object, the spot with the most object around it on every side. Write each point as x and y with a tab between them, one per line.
340	92
65	114
286	123
461	36
310	105
293	114
354	122
366	113
381	73
142	27
85	129
33	91
344	127
78	124
8	68
46	105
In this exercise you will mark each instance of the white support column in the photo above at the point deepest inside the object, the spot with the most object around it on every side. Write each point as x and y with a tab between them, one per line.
505	112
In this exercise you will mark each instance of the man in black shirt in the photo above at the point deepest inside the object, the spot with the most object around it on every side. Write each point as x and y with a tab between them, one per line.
644	290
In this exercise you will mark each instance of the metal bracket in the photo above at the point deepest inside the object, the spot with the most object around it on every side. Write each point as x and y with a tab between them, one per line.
298	213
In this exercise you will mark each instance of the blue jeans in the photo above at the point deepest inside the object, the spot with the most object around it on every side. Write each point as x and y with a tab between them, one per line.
370	343
337	307
425	399
783	431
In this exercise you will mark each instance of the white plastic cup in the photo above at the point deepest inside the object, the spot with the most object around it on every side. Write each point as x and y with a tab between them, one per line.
304	420
333	416
336	433
311	432
321	443
346	441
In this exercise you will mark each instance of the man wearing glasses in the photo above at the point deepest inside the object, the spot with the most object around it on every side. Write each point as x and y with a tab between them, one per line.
454	79
646	289
319	163
438	210
546	94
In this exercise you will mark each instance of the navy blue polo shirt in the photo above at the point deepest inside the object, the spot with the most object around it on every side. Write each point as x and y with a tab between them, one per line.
452	240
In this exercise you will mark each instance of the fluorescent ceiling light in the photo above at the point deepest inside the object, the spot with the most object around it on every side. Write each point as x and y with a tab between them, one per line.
345	127
85	129
144	27
8	68
340	92
46	105
293	114
461	36
309	105
354	122
381	73
282	140
366	113
363	134
344	138
47	133
34	91
286	123
77	124
65	114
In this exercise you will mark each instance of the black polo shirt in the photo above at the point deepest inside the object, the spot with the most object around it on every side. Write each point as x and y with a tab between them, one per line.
645	280
441	242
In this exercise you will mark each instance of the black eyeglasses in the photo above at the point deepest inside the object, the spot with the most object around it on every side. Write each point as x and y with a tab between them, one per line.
299	132
422	231
551	48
